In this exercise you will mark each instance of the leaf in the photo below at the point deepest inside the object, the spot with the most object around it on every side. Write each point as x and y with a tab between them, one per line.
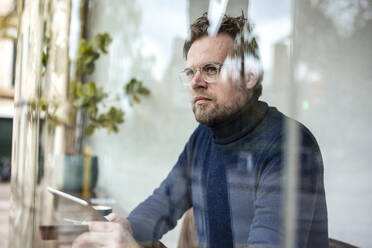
90	68
115	129
43	104
89	89
89	130
44	59
86	58
144	91
79	102
93	116
134	88
136	98
102	41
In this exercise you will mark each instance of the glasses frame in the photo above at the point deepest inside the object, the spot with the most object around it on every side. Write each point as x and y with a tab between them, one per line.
202	73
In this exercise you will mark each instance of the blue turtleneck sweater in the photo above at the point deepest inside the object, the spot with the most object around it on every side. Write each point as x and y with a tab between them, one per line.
232	175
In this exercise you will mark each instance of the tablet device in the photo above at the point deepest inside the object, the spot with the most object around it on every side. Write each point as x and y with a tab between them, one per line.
81	202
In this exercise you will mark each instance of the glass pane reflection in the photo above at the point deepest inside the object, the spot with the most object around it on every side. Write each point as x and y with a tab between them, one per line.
326	57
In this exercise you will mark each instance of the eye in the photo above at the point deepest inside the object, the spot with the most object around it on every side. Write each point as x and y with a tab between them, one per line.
210	69
189	73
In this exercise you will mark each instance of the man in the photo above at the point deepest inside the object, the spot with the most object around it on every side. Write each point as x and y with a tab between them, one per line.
231	169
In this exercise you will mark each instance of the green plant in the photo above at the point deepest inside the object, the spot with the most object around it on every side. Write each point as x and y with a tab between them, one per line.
88	97
134	89
44	109
90	51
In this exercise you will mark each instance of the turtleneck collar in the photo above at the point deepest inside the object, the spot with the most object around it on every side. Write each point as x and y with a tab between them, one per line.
241	123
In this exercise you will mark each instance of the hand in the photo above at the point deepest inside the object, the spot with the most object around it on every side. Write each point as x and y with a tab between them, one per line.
117	219
114	234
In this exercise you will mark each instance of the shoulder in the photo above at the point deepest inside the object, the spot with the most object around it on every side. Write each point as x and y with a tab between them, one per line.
200	135
270	132
277	128
278	125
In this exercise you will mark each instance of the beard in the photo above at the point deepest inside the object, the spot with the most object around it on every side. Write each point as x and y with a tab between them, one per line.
213	113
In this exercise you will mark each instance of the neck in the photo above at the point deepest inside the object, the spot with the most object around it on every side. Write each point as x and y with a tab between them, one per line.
241	123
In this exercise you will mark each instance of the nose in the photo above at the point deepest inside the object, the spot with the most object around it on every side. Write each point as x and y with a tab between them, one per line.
198	81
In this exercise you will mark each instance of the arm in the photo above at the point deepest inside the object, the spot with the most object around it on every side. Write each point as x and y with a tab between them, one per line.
159	212
106	234
266	227
150	220
115	233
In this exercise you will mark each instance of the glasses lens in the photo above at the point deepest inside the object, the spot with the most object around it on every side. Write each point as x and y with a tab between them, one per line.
210	72
184	79
189	73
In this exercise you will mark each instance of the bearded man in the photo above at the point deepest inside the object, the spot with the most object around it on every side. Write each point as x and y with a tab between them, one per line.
231	169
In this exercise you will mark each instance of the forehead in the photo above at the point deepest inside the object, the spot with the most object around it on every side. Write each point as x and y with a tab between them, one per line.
209	49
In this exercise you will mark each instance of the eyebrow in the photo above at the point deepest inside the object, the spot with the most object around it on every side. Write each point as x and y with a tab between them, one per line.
207	63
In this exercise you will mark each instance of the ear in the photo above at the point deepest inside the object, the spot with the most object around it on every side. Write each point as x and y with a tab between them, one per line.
251	80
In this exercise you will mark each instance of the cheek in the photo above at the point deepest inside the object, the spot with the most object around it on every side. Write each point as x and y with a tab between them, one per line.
230	95
224	93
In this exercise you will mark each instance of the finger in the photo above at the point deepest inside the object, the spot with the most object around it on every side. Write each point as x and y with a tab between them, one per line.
91	238
101	226
113	217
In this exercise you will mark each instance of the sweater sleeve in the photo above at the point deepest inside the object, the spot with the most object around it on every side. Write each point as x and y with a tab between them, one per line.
159	212
267	227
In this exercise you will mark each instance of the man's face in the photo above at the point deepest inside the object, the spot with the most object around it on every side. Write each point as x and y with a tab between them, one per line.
215	101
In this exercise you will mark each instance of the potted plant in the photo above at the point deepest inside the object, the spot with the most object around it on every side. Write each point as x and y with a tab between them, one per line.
89	108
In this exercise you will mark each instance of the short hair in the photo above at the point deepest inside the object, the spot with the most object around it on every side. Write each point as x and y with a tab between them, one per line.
233	26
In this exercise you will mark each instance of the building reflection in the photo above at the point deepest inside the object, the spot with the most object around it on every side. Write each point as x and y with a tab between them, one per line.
328	56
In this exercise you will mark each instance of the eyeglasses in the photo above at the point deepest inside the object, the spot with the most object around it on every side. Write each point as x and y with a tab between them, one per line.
209	73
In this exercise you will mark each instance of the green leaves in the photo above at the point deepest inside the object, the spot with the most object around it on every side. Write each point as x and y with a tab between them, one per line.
86	58
90	51
45	109
134	88
101	42
109	120
44	59
45	54
87	97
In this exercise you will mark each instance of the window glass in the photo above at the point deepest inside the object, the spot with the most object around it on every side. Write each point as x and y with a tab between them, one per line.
102	114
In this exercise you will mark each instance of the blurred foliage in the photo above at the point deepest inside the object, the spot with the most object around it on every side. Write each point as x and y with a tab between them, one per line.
87	96
109	120
89	52
45	55
134	89
43	109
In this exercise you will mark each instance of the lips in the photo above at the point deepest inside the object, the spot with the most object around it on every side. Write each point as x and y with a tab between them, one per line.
201	99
